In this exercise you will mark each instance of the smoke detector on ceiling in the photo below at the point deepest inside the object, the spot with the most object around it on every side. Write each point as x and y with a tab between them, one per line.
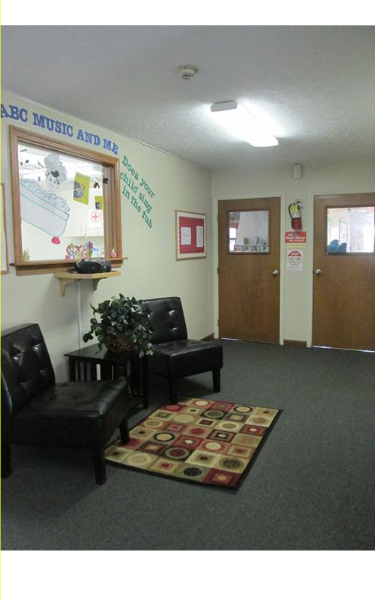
186	72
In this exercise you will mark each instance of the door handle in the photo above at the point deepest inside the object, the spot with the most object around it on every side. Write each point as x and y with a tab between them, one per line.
318	272
275	273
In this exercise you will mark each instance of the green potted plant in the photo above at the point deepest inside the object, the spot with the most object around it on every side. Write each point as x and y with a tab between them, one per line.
120	324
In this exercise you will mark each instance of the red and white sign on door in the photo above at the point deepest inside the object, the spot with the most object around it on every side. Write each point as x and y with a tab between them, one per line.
294	260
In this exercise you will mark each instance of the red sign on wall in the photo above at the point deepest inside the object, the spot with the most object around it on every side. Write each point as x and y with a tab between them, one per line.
295	237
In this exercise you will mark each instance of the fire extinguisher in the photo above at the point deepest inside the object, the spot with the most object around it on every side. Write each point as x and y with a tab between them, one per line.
295	213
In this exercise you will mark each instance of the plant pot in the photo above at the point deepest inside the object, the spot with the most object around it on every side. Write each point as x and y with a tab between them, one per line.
120	344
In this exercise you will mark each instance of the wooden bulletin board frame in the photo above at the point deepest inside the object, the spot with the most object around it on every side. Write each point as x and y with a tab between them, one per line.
191	234
4	243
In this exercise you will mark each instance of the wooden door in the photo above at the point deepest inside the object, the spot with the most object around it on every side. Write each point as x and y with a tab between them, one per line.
249	265
344	271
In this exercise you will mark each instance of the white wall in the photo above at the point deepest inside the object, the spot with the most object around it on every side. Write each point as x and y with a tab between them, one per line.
151	270
295	287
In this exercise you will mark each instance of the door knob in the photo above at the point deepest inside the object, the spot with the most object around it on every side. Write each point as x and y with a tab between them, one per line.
275	273
318	272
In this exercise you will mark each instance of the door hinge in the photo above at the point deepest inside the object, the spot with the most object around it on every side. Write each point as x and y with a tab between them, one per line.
217	270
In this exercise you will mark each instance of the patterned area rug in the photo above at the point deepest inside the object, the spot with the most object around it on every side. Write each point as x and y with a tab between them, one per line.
203	441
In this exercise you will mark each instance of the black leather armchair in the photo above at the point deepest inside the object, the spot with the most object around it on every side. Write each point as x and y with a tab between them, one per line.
175	355
37	411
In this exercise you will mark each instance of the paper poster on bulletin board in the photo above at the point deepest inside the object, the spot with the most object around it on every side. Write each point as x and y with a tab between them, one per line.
190	235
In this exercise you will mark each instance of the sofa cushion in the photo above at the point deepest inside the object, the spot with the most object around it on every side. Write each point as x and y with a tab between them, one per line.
182	358
74	414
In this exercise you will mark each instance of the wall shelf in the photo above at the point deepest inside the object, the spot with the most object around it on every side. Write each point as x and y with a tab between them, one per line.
66	278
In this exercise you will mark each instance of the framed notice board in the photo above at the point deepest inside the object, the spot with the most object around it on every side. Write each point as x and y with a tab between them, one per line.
190	235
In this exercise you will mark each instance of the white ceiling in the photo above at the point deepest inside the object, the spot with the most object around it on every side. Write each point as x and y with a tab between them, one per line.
314	86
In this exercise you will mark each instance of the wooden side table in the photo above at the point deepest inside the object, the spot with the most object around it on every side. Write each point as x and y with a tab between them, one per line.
85	363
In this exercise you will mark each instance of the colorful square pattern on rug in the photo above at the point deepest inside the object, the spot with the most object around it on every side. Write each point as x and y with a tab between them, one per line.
205	441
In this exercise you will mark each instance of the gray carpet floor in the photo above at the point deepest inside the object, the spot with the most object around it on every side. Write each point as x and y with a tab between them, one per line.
311	487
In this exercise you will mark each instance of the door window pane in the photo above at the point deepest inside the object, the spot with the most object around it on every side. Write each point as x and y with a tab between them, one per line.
350	230
248	231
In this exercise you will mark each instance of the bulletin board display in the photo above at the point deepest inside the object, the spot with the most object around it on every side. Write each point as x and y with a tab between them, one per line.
190	235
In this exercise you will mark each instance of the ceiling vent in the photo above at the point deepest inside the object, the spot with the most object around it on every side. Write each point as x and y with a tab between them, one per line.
186	72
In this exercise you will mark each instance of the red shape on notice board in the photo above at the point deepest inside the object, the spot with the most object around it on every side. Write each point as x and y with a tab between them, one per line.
190	223
190	235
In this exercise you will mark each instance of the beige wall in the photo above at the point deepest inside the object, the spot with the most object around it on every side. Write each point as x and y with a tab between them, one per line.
151	269
295	287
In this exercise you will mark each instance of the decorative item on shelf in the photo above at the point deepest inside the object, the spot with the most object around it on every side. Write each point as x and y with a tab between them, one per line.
121	325
83	252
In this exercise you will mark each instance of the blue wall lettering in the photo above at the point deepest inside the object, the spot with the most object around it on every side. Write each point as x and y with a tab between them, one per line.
20	114
52	125
15	113
89	138
108	145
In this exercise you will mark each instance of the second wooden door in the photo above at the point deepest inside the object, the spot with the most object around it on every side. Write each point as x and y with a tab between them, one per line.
344	271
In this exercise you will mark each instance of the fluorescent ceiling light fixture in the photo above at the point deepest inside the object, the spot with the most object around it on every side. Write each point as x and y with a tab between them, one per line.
242	124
